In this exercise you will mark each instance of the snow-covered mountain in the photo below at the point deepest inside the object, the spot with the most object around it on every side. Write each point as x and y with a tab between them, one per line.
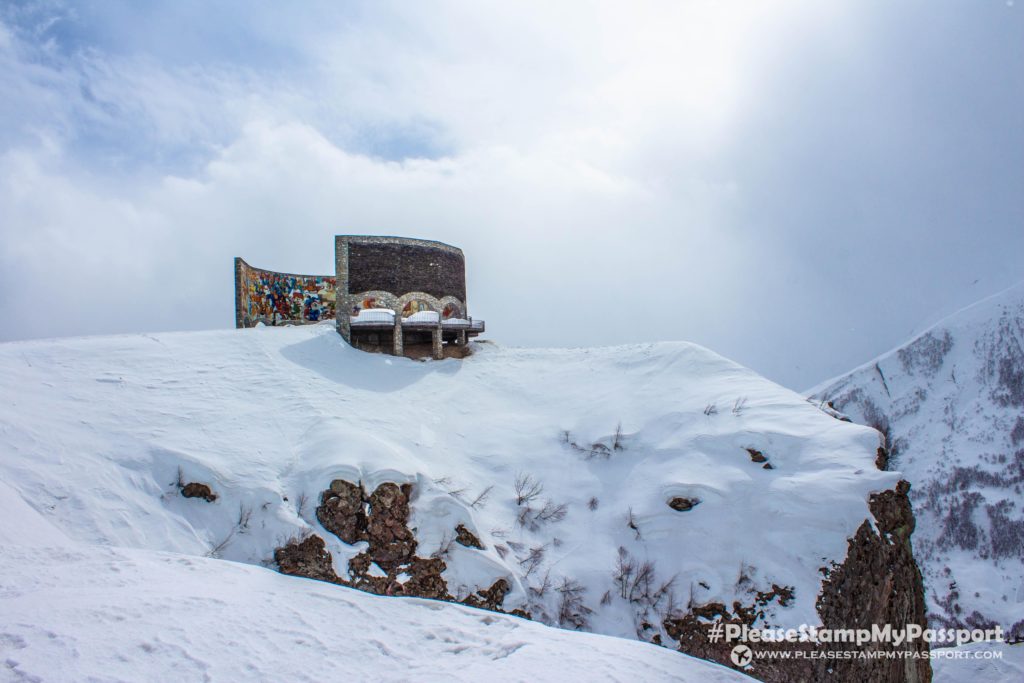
951	403
638	491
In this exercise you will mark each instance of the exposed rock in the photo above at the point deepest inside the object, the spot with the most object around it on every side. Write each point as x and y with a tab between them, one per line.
681	504
492	598
877	583
382	521
196	490
882	459
308	557
425	579
391	541
467	538
359	571
756	455
342	511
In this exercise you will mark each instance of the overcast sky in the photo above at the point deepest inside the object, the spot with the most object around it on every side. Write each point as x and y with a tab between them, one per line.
799	186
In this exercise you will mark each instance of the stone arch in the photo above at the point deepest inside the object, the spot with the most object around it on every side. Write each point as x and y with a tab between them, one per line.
414	302
373	299
451	307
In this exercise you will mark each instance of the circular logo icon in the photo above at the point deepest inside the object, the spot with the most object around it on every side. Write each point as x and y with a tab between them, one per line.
741	656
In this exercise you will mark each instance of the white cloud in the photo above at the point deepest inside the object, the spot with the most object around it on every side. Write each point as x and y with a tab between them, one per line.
613	175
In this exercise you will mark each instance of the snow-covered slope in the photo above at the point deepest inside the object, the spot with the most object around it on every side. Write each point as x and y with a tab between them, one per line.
951	403
98	434
76	612
980	662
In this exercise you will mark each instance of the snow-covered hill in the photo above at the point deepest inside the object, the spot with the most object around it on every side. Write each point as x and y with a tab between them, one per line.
75	612
607	489
951	403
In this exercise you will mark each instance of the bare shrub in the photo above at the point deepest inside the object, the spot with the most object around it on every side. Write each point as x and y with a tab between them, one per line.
631	523
711	409
643	581
241	526
545	585
444	549
527	489
533	518
637	582
571	610
216	550
597	448
622	576
551	512
593	503
532	559
481	498
244	515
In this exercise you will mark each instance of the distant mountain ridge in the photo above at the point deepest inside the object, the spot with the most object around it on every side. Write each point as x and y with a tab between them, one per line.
951	405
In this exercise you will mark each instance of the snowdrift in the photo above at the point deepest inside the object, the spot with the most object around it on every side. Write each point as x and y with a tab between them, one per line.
78	612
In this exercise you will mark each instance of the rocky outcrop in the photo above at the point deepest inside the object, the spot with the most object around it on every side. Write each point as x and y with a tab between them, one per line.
389	565
464	536
878	583
882	458
379	519
392	543
342	511
680	504
307	557
491	598
196	490
759	457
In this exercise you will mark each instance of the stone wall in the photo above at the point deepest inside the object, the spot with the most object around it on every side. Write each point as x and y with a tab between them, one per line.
402	274
281	298
403	267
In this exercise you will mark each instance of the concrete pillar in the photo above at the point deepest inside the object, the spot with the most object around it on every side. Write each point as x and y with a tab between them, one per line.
438	348
342	300
398	349
461	338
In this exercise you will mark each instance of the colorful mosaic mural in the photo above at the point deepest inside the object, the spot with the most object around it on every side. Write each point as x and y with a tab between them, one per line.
415	306
281	298
451	311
